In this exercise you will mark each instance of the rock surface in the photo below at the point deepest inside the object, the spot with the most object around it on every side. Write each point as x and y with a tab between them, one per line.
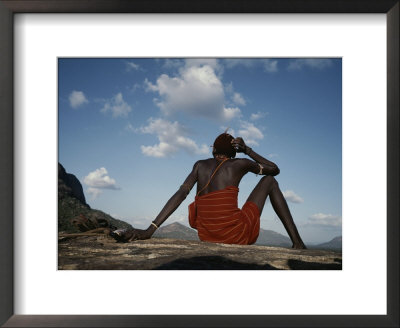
101	252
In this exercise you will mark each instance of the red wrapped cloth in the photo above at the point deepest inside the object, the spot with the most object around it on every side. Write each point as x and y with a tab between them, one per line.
219	220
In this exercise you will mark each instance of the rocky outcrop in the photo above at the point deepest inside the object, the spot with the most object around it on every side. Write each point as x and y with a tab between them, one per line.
104	253
70	185
72	206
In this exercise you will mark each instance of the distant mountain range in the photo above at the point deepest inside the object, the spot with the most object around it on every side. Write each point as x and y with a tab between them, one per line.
272	238
176	231
266	237
179	231
335	244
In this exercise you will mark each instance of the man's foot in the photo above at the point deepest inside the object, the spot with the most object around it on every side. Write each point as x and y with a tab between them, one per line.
299	246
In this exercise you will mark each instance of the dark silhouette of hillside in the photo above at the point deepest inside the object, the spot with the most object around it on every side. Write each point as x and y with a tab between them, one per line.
72	204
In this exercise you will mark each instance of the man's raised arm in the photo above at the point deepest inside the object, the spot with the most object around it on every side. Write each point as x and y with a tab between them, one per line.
267	167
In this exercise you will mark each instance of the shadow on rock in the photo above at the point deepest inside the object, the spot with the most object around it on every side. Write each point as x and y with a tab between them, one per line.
211	263
302	265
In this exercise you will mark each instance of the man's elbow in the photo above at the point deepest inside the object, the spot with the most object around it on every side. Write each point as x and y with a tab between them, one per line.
272	171
276	171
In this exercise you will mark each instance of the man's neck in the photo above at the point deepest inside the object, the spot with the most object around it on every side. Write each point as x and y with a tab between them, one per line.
220	157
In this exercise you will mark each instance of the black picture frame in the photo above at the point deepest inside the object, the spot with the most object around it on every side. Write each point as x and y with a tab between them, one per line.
10	7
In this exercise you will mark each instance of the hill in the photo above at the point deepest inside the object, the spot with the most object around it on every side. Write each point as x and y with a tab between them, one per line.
335	244
272	238
176	231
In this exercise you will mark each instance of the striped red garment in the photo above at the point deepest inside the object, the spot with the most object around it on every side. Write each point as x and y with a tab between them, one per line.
219	220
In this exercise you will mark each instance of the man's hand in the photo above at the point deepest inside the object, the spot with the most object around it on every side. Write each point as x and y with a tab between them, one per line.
239	145
127	235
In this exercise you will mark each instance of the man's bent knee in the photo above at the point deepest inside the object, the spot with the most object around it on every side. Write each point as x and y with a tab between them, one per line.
270	180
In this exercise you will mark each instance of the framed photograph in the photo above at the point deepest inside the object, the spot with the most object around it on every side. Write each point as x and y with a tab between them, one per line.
50	49
163	115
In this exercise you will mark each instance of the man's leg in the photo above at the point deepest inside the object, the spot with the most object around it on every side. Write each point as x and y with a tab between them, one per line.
268	186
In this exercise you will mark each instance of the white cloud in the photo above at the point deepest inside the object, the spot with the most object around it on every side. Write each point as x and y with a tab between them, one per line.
132	66
77	98
172	138
117	106
231	112
291	196
196	91
148	86
270	65
257	116
238	99
327	220
250	133
94	192
319	64
98	180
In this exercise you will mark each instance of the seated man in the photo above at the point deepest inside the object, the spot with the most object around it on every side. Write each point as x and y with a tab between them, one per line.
215	213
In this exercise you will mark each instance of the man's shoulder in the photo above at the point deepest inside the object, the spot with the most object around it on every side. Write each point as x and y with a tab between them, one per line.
202	162
233	162
241	161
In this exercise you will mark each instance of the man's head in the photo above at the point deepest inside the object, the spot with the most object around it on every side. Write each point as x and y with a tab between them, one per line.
223	146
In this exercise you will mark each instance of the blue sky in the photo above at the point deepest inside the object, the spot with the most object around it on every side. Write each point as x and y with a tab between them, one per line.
130	129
